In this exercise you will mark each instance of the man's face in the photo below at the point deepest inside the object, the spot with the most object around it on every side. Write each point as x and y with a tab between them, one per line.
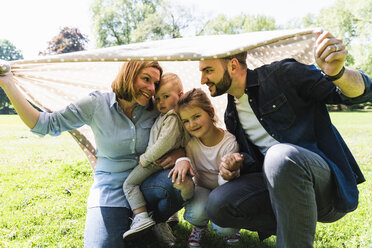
215	76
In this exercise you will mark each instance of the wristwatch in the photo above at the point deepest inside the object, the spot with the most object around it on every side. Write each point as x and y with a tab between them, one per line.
335	77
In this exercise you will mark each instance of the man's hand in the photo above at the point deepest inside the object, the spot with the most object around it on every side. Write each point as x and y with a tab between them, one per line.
230	165
329	53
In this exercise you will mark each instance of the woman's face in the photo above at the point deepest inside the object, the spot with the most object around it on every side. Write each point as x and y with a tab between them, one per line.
144	85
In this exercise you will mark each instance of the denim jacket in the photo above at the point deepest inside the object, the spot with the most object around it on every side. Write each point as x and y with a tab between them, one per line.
289	99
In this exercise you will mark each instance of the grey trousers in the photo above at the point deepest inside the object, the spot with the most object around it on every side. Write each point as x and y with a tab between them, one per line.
132	184
301	193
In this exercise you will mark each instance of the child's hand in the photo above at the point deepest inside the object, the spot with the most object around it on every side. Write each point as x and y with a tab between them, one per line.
179	171
230	165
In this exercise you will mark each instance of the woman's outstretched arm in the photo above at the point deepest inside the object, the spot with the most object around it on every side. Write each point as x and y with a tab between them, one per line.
25	110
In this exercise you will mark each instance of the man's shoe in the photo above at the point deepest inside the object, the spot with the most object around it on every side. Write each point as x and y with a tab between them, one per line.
139	224
164	234
197	236
173	220
233	239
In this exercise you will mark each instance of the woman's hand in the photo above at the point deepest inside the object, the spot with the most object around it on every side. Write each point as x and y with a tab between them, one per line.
4	67
180	170
169	159
6	80
25	110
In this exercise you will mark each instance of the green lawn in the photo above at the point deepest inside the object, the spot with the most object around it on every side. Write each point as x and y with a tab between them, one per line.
44	185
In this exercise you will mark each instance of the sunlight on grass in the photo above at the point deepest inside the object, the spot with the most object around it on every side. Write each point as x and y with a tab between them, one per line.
44	184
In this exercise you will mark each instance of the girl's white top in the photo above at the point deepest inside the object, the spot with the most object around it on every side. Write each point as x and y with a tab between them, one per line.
205	160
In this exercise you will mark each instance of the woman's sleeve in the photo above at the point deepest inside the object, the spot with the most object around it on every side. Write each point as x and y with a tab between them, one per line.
71	117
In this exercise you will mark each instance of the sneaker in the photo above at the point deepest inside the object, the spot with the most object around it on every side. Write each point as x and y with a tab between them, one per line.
139	224
197	236
233	239
173	220
164	234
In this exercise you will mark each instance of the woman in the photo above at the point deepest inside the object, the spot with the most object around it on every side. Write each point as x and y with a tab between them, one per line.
121	122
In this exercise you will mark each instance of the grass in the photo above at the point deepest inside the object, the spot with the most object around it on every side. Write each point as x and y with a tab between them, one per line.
44	184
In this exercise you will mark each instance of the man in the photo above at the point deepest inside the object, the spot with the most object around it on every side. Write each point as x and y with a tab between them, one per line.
295	168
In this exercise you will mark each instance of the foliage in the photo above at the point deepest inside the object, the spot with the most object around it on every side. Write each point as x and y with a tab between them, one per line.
167	22
239	24
350	21
68	40
44	184
118	22
115	20
8	52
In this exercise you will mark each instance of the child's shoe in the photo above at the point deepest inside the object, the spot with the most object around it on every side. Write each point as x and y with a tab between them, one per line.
197	236
140	223
173	220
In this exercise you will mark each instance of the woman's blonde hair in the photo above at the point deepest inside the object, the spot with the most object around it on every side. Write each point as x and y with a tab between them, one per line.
196	98
122	86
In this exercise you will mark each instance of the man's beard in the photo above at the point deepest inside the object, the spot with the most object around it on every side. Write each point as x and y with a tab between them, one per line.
223	85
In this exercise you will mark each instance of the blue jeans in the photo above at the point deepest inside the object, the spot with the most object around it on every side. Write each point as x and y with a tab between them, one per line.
243	203
196	212
301	191
104	226
296	181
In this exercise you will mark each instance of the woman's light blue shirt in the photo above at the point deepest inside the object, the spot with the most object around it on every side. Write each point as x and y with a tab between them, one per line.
119	140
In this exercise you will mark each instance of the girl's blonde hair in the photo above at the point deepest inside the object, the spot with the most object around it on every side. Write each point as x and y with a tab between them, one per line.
122	86
196	98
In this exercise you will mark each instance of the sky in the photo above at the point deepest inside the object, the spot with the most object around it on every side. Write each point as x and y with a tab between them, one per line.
30	24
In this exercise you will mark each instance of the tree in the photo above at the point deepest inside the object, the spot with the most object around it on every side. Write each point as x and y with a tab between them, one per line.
351	21
238	24
115	20
7	52
118	22
68	40
166	23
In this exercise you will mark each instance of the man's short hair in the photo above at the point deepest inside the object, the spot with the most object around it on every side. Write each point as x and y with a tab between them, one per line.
241	57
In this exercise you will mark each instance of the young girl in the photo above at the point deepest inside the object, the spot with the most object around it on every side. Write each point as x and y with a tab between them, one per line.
205	150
